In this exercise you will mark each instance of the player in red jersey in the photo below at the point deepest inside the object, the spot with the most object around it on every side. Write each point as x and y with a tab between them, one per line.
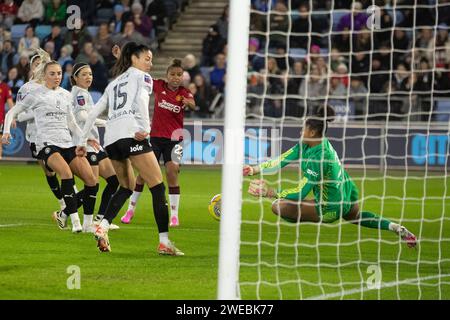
5	97
171	98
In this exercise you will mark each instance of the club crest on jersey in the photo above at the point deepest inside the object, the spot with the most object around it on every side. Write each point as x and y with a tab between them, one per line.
178	98
47	150
147	79
93	158
81	101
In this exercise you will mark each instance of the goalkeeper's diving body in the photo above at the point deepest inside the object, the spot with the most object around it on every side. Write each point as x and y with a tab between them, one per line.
335	194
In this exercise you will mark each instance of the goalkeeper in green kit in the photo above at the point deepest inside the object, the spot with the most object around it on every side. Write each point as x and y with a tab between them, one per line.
335	194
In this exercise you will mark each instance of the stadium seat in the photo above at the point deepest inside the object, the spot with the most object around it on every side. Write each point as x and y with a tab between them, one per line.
17	32
96	95
443	110
337	15
104	15
297	53
42	31
93	30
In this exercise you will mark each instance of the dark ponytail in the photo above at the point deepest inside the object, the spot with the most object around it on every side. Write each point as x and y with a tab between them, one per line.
176	63
127	51
319	121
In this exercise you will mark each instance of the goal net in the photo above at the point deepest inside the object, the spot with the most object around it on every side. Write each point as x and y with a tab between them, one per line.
384	68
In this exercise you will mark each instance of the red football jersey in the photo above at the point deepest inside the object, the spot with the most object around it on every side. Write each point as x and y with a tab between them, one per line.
169	113
5	94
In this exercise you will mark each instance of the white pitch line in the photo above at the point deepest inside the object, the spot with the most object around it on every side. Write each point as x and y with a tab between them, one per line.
383	285
11	225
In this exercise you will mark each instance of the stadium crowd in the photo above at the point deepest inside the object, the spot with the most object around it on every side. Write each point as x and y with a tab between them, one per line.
296	61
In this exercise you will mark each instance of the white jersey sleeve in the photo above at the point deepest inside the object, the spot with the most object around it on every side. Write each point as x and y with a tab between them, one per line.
28	115
13	112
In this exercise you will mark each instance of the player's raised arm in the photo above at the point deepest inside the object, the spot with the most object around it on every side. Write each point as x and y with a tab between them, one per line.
100	107
274	165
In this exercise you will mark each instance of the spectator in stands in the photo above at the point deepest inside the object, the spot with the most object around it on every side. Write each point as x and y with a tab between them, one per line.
65	55
23	67
279	21
213	44
55	12
99	73
8	13
129	34
283	61
424	77
87	51
358	94
342	73
354	21
385	26
103	42
441	82
49	47
31	12
423	42
275	86
362	41
77	37
255	90
67	69
116	23
157	11
401	44
203	96
222	22
28	43
56	37
336	58
295	79
256	21
217	75
400	77
14	82
360	66
302	25
378	78
322	66
190	65
142	23
255	62
439	47
337	89
313	89
8	57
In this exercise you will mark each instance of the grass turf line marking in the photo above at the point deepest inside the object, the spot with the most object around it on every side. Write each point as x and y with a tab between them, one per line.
11	225
383	285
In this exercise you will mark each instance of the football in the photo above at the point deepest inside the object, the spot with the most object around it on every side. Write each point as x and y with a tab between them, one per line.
214	207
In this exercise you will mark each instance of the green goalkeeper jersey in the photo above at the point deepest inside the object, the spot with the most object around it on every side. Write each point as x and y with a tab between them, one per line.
322	172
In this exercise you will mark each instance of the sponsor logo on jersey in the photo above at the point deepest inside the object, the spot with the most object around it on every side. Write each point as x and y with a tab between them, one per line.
312	173
137	148
81	101
169	106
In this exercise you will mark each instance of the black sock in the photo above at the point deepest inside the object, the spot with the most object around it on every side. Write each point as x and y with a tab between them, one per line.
53	183
89	197
69	196
116	203
80	197
108	192
160	209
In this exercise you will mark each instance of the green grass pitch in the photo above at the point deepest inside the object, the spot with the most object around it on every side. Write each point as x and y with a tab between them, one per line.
278	260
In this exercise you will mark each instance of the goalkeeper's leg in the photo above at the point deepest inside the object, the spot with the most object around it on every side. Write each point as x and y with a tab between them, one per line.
371	220
294	211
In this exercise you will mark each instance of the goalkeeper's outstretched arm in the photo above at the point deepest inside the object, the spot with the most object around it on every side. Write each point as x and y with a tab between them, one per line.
274	165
